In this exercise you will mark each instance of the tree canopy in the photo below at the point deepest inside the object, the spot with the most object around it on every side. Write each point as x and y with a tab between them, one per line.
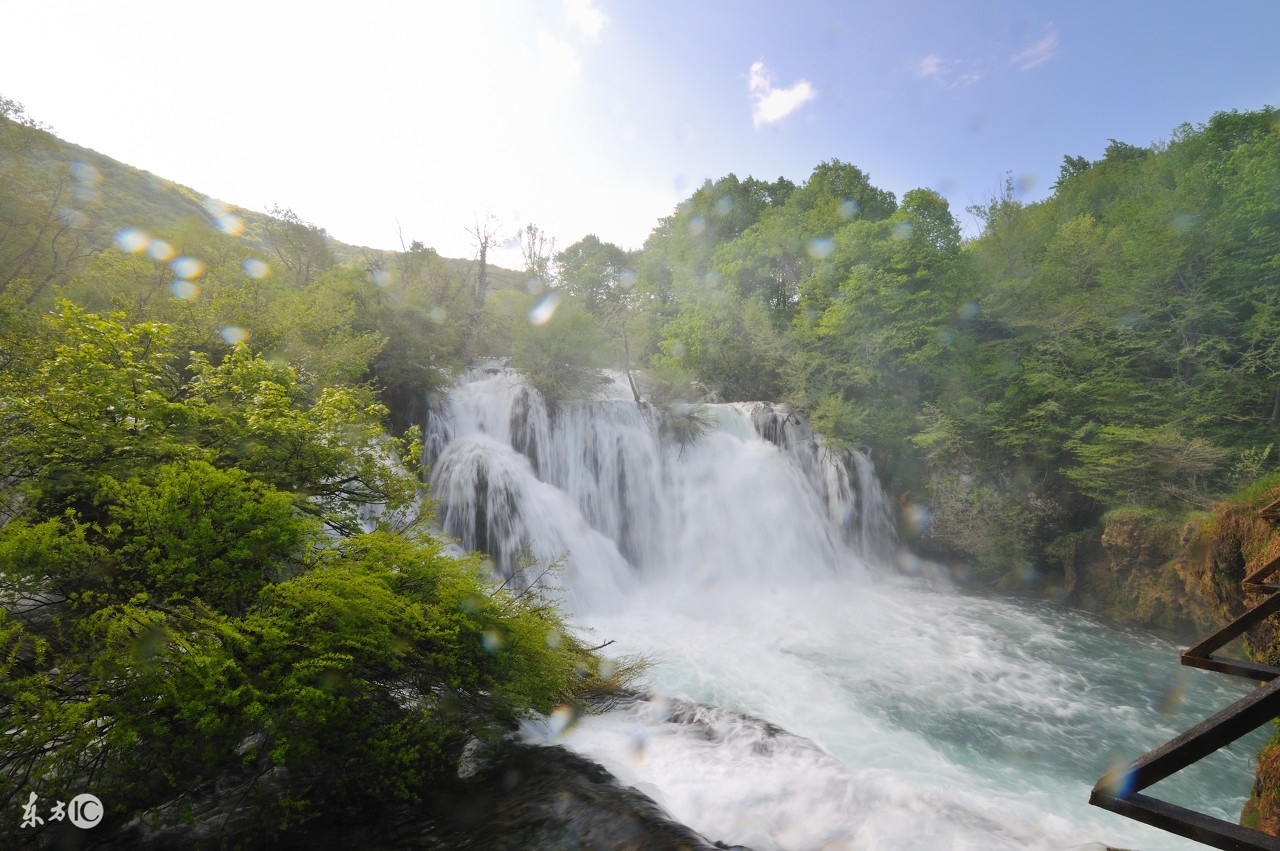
216	563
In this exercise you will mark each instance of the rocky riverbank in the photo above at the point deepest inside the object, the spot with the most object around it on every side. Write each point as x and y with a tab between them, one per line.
1183	575
515	797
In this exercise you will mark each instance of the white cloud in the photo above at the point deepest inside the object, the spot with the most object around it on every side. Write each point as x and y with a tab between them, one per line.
588	19
770	104
934	67
1037	54
931	66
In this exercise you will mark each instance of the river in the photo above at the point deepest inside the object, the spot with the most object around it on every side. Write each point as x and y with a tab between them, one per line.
814	686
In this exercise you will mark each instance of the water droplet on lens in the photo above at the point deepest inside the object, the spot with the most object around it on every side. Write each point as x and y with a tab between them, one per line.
819	249
133	240
73	218
541	314
561	719
915	518
637	748
256	269
231	335
86	174
231	225
161	250
660	709
187	268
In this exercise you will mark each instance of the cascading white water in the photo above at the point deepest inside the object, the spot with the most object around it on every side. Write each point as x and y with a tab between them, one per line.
604	488
750	566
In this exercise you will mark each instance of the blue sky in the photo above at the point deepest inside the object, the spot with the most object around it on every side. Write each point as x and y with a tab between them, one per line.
383	118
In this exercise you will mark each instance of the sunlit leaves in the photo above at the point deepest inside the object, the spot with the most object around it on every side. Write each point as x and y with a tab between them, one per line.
329	451
1141	465
98	395
176	614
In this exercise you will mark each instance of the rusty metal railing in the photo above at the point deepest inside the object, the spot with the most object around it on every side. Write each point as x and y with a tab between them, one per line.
1121	790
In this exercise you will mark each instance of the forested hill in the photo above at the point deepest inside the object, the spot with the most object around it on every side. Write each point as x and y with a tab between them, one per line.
1114	346
77	225
93	197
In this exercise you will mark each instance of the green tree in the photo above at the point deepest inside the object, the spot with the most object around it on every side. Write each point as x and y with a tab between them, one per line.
301	248
559	348
597	273
42	236
1121	465
190	598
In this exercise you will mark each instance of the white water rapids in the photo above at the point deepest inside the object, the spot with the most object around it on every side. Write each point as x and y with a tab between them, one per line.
754	567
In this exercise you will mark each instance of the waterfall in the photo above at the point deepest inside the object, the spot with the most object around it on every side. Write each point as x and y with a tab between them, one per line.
603	484
805	694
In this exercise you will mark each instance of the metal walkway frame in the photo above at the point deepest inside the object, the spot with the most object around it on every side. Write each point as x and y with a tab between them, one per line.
1121	790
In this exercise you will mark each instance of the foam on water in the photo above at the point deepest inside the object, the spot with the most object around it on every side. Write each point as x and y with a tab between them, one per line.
751	568
931	720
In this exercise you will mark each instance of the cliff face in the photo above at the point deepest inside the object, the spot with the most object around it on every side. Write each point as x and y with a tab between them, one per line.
1184	575
1242	541
1150	569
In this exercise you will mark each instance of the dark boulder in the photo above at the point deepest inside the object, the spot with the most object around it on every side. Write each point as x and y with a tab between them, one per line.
518	796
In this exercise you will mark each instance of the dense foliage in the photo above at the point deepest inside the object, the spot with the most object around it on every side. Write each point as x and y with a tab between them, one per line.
1114	344
191	590
214	567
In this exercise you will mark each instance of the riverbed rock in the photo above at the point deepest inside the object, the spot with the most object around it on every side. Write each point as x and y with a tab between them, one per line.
549	797
519	796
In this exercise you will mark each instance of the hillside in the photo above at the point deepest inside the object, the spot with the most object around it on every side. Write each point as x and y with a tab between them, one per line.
95	198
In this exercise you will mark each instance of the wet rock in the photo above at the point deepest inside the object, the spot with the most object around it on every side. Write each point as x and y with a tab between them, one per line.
517	796
550	798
